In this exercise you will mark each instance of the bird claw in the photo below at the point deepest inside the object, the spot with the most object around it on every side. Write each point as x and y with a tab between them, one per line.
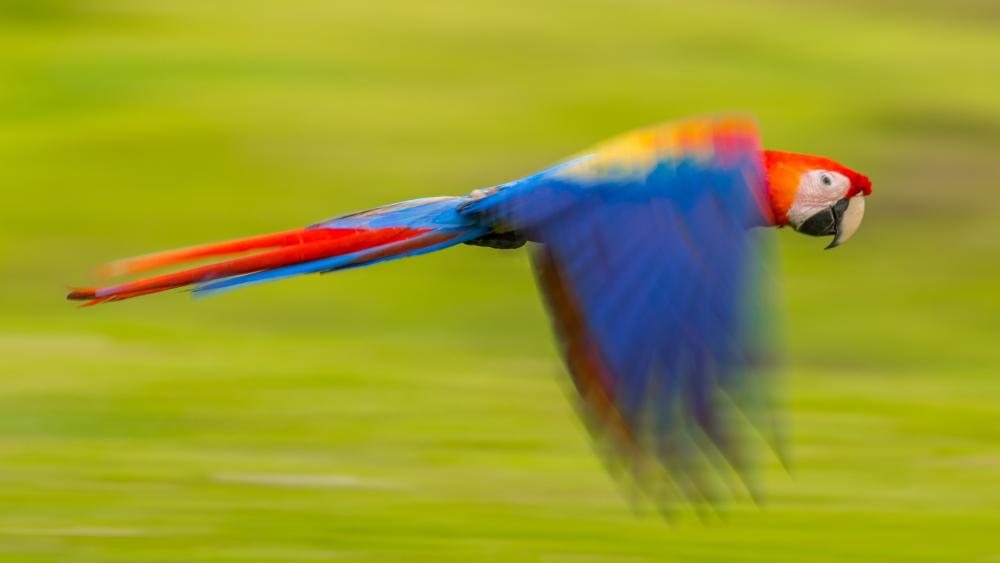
501	241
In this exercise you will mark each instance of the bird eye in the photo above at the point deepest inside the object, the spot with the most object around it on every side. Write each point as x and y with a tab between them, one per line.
827	181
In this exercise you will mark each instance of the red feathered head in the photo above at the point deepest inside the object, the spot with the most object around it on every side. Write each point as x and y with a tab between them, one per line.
815	195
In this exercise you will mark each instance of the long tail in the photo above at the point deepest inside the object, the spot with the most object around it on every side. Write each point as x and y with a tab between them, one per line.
359	239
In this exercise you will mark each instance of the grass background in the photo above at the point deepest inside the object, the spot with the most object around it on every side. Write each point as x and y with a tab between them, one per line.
416	411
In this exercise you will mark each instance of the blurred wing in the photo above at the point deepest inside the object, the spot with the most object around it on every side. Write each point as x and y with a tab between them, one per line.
652	271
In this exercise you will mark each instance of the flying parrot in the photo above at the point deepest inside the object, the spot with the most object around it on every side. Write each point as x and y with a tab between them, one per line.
646	253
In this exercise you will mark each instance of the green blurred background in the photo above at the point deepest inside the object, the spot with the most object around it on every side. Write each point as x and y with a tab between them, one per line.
416	411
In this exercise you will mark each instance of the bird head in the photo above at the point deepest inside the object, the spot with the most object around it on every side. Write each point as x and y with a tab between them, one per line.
816	196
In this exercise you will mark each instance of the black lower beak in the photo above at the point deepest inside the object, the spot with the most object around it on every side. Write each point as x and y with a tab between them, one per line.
825	222
841	220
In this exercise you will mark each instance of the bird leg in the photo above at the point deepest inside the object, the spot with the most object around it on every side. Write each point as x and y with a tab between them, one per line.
502	241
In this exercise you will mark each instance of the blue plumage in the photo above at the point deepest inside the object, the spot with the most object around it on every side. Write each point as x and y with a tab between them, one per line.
653	262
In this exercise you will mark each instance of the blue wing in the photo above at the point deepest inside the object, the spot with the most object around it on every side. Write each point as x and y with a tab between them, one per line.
650	266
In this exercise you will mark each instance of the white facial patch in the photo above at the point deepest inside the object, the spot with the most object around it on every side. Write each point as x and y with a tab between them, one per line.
818	190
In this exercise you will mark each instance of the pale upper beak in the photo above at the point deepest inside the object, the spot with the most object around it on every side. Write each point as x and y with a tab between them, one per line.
848	221
840	220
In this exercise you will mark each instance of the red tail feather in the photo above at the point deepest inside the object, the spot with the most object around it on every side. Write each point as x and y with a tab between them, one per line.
302	245
161	259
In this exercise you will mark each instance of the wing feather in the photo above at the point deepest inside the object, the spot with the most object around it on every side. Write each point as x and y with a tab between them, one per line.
649	264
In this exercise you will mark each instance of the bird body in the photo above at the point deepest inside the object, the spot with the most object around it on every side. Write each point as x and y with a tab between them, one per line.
648	258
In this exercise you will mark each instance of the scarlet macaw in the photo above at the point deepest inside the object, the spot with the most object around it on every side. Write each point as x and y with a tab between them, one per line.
646	259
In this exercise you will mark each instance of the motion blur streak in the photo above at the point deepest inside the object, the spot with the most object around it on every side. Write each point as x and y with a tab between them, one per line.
132	125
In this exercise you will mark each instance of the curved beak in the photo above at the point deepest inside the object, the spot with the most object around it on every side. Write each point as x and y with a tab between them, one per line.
841	220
